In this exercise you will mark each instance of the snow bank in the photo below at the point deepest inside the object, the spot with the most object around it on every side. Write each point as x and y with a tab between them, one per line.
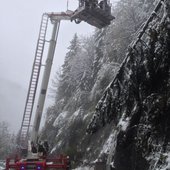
60	119
2	165
84	168
168	163
123	123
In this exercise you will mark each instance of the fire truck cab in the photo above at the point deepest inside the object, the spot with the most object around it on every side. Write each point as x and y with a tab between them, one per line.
60	163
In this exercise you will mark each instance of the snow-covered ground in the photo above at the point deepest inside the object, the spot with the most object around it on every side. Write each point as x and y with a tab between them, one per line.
84	168
2	165
167	166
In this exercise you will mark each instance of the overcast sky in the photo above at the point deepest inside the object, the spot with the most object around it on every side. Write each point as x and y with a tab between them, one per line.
19	28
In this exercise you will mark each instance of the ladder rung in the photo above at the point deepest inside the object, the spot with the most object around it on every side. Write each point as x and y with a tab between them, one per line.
34	81
42	33
43	29
29	108
44	19
33	85
41	43
37	64
36	70
38	55
36	67
26	113
31	95
32	90
40	47
30	100
40	40
42	37
39	50
38	59
27	117
34	78
29	103
43	25
35	73
26	122
25	125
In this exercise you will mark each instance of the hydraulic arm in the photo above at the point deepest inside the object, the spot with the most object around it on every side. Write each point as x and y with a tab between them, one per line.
55	18
45	80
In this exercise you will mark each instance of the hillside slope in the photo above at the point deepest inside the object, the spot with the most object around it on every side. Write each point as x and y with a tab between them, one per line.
137	103
129	127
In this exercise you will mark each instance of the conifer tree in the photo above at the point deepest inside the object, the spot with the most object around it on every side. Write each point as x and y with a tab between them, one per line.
67	82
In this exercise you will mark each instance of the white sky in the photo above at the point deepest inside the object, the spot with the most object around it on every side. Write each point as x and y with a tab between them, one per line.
19	28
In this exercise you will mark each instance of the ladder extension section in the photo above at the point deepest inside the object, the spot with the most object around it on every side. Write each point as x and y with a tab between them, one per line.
23	137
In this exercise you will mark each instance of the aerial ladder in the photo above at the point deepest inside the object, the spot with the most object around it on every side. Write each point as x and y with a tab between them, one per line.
93	12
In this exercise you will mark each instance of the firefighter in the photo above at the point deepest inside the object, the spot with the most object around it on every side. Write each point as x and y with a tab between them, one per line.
68	163
33	148
104	5
101	4
41	150
81	3
91	3
46	147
